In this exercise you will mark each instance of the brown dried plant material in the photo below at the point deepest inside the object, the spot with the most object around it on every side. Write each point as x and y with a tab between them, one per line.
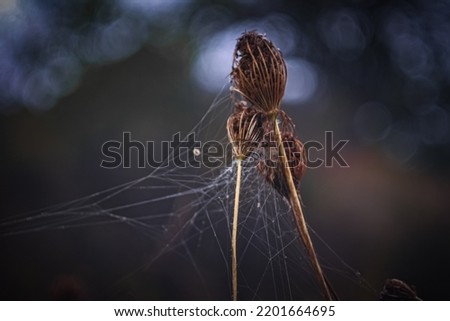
259	75
244	128
259	72
397	290
271	167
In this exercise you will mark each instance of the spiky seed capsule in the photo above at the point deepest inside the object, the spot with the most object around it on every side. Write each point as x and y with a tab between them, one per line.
259	72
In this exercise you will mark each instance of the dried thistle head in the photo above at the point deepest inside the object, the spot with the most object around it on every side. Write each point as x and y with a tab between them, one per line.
244	130
259	72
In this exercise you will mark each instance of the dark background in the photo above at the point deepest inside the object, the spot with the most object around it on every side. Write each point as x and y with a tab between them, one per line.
74	74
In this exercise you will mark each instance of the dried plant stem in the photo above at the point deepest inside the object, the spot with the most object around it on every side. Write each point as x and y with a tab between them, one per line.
259	74
234	231
299	217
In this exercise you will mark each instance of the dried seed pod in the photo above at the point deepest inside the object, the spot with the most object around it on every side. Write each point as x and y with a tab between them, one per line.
244	130
259	72
271	166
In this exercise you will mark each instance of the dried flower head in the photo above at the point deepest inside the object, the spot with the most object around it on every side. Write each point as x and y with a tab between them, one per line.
259	72
244	128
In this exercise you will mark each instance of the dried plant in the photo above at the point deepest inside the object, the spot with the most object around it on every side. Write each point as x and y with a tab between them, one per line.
244	132
397	290
259	72
259	75
270	166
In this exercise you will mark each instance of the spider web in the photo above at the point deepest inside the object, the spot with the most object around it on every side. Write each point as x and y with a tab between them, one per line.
180	219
